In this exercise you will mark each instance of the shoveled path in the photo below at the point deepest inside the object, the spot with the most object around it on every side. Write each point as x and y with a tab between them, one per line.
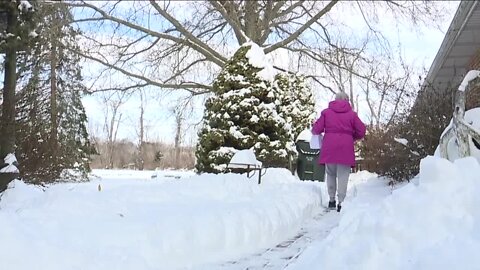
283	254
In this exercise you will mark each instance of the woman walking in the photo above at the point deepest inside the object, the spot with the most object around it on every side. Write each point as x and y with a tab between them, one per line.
342	128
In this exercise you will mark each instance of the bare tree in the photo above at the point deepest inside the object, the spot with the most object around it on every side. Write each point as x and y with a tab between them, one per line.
386	82
182	45
126	150
390	92
141	131
111	102
343	73
182	111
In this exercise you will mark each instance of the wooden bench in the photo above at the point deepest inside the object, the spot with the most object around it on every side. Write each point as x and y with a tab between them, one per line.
246	160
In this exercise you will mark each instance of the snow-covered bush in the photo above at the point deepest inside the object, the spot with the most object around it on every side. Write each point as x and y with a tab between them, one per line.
252	107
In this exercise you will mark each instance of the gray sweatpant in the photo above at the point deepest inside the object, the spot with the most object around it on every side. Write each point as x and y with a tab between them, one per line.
337	172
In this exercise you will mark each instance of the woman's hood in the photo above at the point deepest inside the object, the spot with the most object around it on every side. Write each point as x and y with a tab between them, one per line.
340	106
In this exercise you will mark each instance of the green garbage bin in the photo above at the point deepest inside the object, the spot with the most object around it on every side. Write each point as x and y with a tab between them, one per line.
307	163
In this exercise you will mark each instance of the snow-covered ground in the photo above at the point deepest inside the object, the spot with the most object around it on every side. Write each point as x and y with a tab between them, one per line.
365	188
431	223
129	220
179	220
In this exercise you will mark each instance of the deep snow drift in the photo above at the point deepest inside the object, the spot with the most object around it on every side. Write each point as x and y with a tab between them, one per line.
126	220
431	223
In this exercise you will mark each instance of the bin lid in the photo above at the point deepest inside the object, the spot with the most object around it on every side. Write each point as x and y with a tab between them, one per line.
304	148
305	135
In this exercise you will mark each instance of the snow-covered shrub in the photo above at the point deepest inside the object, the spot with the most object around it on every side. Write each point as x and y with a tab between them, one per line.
252	107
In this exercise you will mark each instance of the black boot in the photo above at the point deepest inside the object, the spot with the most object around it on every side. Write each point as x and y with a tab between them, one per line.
339	207
331	204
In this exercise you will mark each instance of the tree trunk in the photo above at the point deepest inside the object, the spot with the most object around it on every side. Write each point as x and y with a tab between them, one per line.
352	97
142	134
462	134
178	139
7	131
53	98
111	141
112	134
251	21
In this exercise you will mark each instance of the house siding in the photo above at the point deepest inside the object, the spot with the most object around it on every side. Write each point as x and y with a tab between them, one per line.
473	96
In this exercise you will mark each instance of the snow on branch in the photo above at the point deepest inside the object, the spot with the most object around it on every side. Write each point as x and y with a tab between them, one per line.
471	75
401	141
257	58
10	160
25	6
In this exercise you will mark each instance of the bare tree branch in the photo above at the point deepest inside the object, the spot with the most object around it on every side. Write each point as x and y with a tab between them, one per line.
148	39
297	33
105	16
124	88
231	17
322	84
187	33
187	86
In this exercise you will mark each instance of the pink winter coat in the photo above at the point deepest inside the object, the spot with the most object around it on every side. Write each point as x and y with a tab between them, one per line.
342	127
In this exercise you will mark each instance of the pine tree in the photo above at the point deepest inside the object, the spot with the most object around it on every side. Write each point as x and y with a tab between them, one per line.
297	104
16	25
51	118
249	109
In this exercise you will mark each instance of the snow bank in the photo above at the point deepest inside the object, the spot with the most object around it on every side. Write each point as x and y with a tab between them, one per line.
121	222
433	224
139	175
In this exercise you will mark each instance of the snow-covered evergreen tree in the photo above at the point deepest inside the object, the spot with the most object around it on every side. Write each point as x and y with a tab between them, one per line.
251	108
297	104
16	31
51	121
